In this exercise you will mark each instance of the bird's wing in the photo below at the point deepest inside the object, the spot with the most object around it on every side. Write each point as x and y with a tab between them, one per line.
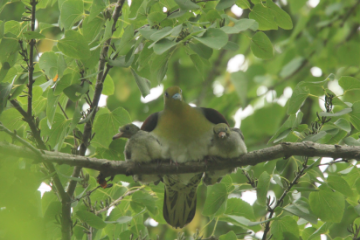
151	122
239	132
213	116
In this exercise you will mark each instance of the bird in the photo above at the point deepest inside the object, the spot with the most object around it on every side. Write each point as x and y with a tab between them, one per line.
185	134
141	147
226	143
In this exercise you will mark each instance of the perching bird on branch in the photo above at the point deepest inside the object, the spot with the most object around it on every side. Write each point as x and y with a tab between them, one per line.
185	134
141	147
226	143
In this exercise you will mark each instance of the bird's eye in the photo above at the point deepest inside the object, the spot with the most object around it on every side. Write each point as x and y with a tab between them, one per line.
127	128
166	94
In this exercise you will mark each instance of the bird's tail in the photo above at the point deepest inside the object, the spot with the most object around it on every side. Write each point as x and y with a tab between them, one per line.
180	200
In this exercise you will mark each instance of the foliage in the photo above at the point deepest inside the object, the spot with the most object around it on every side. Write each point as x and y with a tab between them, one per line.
80	49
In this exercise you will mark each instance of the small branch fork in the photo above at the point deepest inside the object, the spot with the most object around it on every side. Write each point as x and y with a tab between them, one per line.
271	210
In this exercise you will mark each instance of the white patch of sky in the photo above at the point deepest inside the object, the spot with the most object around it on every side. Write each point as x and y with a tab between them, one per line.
236	10
151	222
102	100
316	71
44	188
242	114
165	9
218	88
313	3
235	63
335	87
155	93
249	196
192	104
324	160
321	103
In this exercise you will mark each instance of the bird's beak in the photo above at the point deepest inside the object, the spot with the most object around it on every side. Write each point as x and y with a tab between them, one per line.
119	135
176	96
222	134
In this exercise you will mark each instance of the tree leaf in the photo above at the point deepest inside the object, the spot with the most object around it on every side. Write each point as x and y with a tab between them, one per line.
32	35
163	45
261	46
339	184
291	67
297	98
262	188
145	199
71	11
264	17
355	115
285	228
108	86
5	89
240	26
214	38
301	209
349	83
215	203
51	106
74	45
96	7
107	124
223	4
281	17
186	4
327	205
201	49
143	83
49	63
91	219
228	236
337	114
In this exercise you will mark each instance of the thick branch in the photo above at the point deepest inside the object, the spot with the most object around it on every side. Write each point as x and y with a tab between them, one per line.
109	168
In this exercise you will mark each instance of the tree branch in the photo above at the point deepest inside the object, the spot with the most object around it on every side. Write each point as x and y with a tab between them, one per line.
110	168
98	89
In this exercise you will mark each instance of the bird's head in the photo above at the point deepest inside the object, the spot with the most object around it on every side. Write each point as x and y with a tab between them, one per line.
221	130
126	131
173	95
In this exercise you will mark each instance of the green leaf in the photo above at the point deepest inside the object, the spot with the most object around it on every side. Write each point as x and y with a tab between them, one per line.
186	4
339	184
92	28
285	228
291	67
126	41
215	203
59	130
223	4
75	91
281	17
5	89
107	124
97	7
143	83
156	17
197	63
264	17
51	106
350	141
321	230
238	207
49	63
145	199
269	127
74	45
349	83
327	205
347	54
201	49
108	87
91	219
240	26
163	45
261	46
301	209
244	4
62	83
240	82
262	188
297	98
343	124
71	12
214	38
355	115
32	35
337	114
228	236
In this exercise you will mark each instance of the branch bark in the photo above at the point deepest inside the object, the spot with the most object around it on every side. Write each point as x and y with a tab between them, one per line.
110	168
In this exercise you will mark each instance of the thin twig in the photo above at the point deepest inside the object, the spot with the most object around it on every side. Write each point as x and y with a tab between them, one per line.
31	58
98	89
271	210
117	201
63	111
